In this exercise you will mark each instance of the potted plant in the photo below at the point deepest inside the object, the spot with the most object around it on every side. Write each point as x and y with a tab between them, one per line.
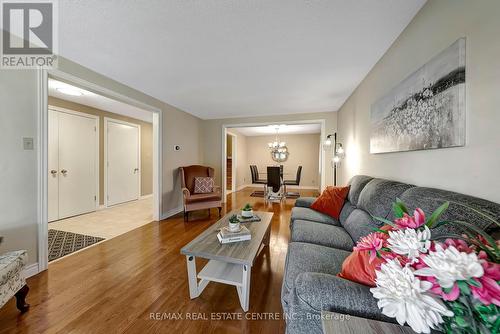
234	224
247	211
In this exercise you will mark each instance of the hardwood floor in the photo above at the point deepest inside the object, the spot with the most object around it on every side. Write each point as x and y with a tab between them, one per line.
116	286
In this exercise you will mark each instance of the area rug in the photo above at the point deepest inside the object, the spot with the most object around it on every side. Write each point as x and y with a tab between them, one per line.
62	243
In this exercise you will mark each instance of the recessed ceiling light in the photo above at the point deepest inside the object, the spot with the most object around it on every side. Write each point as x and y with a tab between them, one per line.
69	91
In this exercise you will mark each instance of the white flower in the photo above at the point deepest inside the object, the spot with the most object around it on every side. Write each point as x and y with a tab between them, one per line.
410	242
450	265
403	296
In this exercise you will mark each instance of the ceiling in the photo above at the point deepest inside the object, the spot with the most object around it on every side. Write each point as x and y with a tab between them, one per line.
98	101
216	59
287	129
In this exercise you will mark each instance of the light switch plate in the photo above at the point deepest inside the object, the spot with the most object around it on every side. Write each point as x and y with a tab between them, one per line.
28	143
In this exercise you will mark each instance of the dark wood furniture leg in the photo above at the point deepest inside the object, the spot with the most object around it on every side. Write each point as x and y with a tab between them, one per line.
21	299
220	209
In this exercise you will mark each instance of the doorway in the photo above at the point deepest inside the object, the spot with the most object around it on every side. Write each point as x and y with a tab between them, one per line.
73	163
122	158
231	147
121	210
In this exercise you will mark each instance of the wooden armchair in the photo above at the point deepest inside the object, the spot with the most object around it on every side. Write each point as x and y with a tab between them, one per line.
194	201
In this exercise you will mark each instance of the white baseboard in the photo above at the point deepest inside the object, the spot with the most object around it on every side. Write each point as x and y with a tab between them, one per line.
171	212
146	196
31	270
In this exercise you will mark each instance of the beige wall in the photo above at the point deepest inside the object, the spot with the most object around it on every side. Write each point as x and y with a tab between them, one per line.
212	137
146	143
304	151
472	169
241	159
18	177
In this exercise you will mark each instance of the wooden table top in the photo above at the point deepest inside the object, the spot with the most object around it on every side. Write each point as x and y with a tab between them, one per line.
206	245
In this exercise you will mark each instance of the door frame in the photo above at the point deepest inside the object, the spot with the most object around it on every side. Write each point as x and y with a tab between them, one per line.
42	151
107	120
233	162
97	127
224	132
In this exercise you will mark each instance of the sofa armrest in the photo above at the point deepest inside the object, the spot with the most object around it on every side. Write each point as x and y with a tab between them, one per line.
316	292
305	202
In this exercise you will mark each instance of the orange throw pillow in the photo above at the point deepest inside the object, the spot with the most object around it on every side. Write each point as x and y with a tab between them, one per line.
357	266
331	201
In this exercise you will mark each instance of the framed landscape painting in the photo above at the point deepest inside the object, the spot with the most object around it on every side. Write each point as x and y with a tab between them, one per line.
426	110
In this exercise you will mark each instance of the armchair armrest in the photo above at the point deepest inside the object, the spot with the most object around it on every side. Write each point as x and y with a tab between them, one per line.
186	193
305	202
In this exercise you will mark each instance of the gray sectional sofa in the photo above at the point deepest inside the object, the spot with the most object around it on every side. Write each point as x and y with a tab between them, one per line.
319	244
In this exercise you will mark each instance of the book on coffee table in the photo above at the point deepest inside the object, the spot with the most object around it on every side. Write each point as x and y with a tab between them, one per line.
225	236
254	218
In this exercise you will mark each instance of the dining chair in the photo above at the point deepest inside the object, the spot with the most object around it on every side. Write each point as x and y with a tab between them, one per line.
295	182
255	176
273	182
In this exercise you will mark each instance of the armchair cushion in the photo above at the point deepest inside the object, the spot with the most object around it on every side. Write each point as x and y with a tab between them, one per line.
203	185
197	198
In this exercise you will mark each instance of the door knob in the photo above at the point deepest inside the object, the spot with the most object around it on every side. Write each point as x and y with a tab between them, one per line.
136	170
53	172
64	171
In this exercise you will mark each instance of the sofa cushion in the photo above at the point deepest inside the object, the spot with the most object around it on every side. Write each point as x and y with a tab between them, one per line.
347	209
357	184
359	223
321	234
312	215
461	208
305	202
379	194
304	257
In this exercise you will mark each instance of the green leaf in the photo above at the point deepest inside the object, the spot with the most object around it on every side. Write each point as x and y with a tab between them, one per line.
464	288
385	221
436	214
473	282
379	230
398	212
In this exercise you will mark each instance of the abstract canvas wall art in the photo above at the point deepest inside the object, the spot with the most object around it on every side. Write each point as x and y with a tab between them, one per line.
426	110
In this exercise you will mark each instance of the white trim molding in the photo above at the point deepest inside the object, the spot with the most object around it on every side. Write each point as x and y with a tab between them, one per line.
31	270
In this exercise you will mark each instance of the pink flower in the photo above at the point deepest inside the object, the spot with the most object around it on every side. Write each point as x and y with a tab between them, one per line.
373	242
436	288
408	221
489	291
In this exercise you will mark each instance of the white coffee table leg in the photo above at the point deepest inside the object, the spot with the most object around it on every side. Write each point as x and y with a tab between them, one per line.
192	280
244	292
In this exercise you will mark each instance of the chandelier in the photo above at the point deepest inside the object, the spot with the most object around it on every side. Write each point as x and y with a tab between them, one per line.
279	150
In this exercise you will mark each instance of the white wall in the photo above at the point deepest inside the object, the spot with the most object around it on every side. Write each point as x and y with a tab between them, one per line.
241	159
472	169
18	167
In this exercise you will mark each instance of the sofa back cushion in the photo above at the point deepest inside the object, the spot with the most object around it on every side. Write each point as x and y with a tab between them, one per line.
359	223
429	199
378	195
357	184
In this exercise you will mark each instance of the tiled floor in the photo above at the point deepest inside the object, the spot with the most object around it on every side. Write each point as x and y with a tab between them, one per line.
111	222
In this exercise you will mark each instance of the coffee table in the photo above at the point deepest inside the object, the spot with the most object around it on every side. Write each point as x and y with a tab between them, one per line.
229	263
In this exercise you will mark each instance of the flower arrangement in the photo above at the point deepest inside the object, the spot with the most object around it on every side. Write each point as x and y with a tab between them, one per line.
450	283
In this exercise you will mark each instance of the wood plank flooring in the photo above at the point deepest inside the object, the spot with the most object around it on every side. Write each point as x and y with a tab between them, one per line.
137	283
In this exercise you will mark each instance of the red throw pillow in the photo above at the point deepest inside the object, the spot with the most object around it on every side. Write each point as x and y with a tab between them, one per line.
357	266
331	201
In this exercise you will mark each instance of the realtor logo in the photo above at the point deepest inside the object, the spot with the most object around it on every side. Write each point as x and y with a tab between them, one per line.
28	34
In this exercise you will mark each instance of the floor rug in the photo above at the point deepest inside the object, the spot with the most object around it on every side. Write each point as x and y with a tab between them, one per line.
62	243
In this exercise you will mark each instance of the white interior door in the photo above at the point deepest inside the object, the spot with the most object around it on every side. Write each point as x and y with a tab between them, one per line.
123	157
77	164
53	166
